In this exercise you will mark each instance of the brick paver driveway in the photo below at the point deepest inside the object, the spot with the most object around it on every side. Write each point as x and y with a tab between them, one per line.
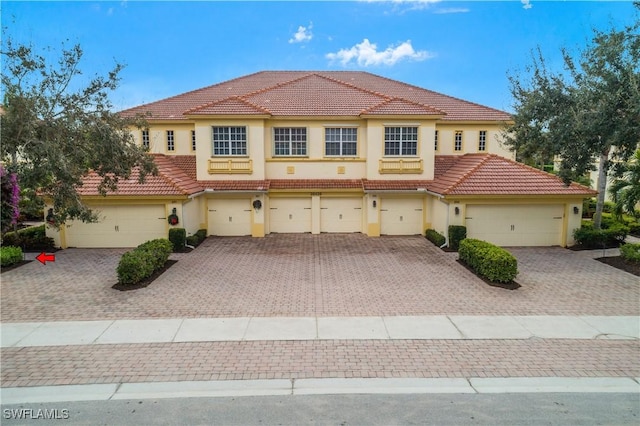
315	275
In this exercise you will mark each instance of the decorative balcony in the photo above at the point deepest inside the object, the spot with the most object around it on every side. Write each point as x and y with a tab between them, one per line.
400	166
236	165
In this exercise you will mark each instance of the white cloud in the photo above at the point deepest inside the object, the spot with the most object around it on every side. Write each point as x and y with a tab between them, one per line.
449	10
367	54
303	34
526	4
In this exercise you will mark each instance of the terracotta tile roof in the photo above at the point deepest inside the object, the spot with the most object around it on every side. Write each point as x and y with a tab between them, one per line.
235	185
395	185
401	107
315	183
320	93
170	180
490	174
187	163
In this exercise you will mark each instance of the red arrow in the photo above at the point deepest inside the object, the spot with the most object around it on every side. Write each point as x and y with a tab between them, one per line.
44	258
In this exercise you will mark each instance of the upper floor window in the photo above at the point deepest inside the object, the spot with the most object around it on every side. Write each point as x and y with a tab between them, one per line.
400	141
229	140
482	140
341	141
457	141
145	139
290	141
435	141
171	145
193	140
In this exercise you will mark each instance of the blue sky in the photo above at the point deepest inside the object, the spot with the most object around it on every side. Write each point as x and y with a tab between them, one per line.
463	49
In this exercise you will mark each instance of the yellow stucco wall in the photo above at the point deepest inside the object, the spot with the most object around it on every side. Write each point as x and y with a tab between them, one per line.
470	137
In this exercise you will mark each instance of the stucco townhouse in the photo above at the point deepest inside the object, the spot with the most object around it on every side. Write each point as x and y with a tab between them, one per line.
329	151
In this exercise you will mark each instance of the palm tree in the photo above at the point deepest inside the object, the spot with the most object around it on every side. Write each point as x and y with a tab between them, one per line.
625	190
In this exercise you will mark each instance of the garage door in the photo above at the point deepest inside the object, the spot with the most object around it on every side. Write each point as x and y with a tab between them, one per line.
290	215
119	226
513	225
401	216
229	217
340	215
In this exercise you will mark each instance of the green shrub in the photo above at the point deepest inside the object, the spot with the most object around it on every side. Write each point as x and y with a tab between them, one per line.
201	234
630	252
489	261
178	237
33	238
435	237
10	255
611	235
457	233
159	249
193	240
135	266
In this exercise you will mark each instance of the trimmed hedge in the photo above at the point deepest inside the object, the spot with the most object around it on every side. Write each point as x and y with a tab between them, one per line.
457	233
178	237
489	261
612	235
201	234
10	255
140	263
33	238
435	237
630	252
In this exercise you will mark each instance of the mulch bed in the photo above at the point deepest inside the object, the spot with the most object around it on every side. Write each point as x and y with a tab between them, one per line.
15	265
512	285
126	287
620	263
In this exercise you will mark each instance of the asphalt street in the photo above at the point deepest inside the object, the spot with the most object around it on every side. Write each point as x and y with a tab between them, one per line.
352	409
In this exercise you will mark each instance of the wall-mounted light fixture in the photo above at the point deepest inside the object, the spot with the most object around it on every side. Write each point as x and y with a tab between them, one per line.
576	210
375	204
257	205
457	211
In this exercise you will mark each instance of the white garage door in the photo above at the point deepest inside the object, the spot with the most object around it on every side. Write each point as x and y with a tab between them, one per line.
290	215
119	226
229	217
516	225
401	216
340	215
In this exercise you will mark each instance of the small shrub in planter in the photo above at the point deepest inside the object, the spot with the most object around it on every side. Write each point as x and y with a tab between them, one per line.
193	240
457	233
435	237
489	261
612	236
178	237
201	234
630	252
160	249
10	255
135	266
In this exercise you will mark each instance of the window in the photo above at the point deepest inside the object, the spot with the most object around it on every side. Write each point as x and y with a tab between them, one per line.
290	141
145	139
482	140
435	141
193	140
400	141
171	146
457	142
342	141
229	140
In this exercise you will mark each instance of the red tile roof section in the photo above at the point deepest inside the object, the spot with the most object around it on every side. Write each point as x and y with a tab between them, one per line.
401	107
395	185
490	174
321	93
315	183
235	185
170	180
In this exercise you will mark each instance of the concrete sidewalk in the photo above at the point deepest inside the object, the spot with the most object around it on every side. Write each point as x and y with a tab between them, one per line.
70	333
